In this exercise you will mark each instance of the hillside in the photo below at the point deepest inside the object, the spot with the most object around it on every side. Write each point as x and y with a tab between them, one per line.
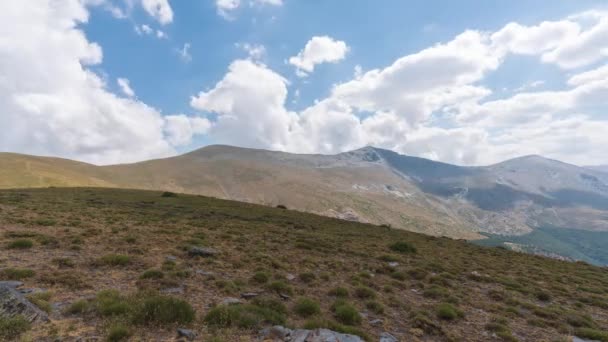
512	198
97	258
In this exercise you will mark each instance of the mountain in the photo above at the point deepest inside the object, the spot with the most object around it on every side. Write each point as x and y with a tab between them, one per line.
602	168
512	198
133	265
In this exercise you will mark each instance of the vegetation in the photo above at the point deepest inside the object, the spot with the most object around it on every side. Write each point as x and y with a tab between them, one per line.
11	328
130	249
20	244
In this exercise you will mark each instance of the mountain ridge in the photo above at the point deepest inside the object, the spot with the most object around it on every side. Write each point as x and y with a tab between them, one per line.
368	184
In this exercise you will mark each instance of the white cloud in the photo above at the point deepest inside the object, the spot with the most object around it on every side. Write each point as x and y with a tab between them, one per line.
226	7
255	51
184	53
431	103
58	106
319	49
159	9
125	87
574	42
180	129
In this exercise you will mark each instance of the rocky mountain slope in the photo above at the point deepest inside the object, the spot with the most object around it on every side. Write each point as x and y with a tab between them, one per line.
368	185
130	265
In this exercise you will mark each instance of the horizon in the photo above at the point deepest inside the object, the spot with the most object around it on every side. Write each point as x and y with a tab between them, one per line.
146	79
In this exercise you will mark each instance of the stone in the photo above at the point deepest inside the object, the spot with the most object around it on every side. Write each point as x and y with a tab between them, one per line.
284	296
202	252
290	277
377	321
231	301
189	334
393	264
417	332
11	283
173	290
13	303
386	337
249	295
280	334
203	272
171	258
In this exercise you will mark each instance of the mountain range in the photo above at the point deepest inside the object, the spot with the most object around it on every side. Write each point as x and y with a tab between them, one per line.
513	199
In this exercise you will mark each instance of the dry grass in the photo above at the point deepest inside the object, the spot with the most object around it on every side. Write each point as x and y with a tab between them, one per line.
136	242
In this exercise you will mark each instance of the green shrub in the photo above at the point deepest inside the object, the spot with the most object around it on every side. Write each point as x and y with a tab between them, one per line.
118	332
41	300
375	307
365	292
592	334
543	296
115	260
111	303
17	273
152	274
448	312
270	303
280	287
307	277
20	244
64	262
346	313
78	307
153	308
168	194
402	247
260	277
12	327
244	316
306	307
339	292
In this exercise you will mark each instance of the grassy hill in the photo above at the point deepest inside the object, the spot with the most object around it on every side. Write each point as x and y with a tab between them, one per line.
113	261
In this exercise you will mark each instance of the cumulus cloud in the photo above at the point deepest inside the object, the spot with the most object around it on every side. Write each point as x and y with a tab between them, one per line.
319	49
180	129
58	106
159	9
430	103
184	53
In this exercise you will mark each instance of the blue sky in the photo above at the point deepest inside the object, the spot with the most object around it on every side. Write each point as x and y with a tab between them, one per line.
467	82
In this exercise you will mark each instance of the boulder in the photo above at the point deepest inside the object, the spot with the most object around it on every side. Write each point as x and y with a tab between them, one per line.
13	303
231	301
11	283
188	334
282	334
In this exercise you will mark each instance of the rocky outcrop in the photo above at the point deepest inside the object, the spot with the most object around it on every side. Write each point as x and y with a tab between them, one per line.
282	334
13	303
204	252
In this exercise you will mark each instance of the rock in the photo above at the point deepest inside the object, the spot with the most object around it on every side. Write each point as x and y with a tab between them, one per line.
393	264
203	272
284	296
13	303
170	258
32	290
173	290
189	334
280	334
11	283
386	337
578	339
377	321
249	295
290	277
231	301
202	252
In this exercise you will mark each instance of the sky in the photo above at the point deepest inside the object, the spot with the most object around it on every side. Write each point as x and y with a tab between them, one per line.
470	82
